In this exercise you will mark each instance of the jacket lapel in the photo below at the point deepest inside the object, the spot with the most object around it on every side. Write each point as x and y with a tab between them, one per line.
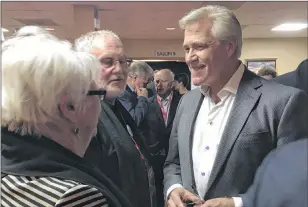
246	98
191	119
158	112
114	126
172	110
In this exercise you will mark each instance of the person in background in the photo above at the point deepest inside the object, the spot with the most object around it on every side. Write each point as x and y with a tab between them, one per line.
297	78
119	144
181	82
49	113
134	98
267	72
151	86
162	109
223	130
282	178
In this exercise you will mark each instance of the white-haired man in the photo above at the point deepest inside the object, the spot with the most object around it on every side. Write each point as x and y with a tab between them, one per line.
134	98
118	143
223	130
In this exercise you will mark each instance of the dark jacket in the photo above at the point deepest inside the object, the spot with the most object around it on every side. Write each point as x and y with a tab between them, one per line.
282	179
297	79
157	135
114	152
155	129
137	106
42	157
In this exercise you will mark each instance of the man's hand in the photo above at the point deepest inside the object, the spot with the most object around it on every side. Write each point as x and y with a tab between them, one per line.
142	92
178	195
219	202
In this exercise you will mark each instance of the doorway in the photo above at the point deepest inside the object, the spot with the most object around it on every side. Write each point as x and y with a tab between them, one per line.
176	67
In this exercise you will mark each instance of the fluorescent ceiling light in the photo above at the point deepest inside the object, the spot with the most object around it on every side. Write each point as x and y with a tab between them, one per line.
4	30
49	29
170	28
290	27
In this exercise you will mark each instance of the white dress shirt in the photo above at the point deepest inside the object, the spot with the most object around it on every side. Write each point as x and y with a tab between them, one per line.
165	103
209	126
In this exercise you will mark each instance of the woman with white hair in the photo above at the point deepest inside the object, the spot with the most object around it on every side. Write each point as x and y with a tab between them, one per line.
50	110
31	30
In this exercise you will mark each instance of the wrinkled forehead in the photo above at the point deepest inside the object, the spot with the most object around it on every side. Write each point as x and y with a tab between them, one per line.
163	75
107	46
198	32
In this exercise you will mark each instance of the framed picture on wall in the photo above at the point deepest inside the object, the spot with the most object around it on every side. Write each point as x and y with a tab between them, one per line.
256	64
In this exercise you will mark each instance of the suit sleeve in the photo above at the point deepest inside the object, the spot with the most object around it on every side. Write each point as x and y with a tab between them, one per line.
250	197
172	168
293	122
137	109
82	195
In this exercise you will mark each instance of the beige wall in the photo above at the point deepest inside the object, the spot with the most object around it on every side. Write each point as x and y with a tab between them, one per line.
289	52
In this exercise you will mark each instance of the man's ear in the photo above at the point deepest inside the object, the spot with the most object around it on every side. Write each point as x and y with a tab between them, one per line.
67	108
231	47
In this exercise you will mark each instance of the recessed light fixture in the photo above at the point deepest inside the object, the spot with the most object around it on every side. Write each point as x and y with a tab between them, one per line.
49	29
4	30
170	28
290	27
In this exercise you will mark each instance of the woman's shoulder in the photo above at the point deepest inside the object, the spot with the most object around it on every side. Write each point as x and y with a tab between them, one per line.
48	191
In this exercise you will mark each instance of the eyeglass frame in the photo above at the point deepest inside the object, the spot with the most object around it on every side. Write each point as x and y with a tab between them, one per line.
101	93
125	62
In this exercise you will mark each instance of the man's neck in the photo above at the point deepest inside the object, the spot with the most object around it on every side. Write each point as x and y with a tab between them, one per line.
223	80
182	90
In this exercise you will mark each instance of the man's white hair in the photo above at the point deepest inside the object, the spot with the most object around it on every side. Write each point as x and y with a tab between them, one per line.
226	26
36	72
140	68
94	39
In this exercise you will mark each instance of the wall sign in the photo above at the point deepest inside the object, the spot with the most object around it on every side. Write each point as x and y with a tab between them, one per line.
158	53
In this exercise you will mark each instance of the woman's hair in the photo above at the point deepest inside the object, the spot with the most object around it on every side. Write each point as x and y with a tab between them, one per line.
30	30
36	72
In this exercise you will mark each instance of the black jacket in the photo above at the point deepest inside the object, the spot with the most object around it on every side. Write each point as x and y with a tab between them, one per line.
154	128
114	152
297	79
42	157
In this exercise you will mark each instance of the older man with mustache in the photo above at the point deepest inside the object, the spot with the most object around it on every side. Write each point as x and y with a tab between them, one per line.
119	149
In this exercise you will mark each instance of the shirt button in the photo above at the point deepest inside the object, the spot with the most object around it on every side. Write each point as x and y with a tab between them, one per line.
207	148
210	123
203	173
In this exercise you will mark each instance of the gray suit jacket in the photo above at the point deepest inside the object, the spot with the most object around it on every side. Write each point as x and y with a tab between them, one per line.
264	115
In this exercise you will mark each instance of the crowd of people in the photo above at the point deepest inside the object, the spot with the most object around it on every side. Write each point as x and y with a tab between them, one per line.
83	125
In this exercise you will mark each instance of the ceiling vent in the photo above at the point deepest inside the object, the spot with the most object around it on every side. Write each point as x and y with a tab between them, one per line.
38	22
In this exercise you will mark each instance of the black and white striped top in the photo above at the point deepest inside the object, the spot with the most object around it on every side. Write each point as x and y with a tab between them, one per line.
21	191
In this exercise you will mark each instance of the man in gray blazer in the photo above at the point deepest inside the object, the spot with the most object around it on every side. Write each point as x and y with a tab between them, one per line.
223	130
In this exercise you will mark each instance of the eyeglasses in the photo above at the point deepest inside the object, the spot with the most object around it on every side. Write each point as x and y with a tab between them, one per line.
100	93
109	62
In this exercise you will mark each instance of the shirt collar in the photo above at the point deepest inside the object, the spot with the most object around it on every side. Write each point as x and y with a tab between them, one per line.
131	88
231	86
166	99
